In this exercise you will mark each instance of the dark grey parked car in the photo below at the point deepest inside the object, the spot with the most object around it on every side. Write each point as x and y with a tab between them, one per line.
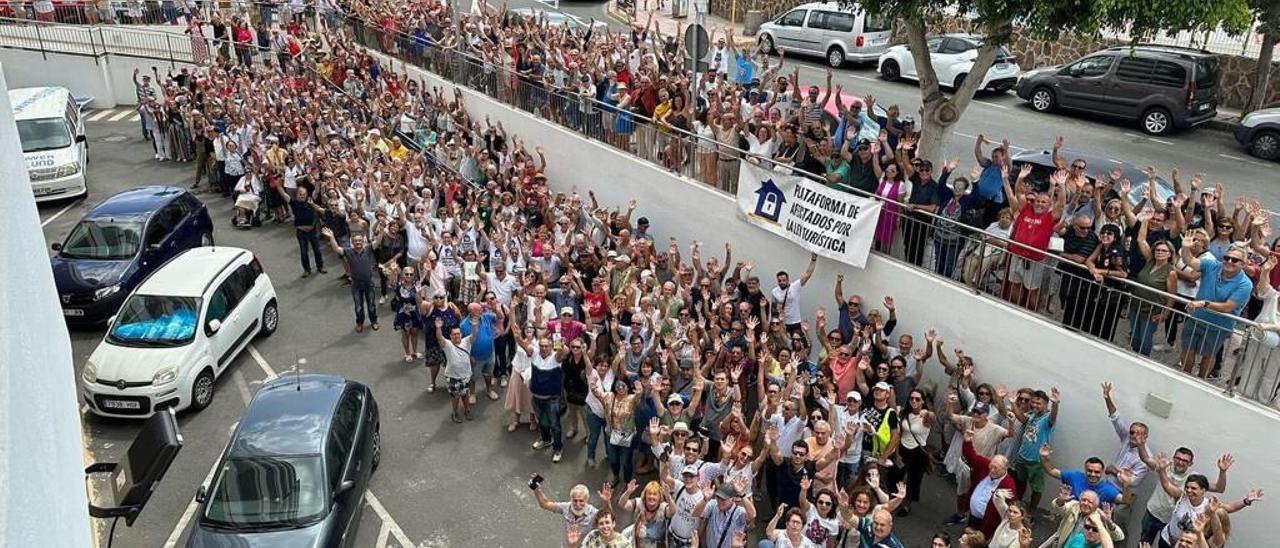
295	471
1161	87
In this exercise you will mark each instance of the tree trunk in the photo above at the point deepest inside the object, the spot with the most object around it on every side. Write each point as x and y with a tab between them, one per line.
938	112
1262	76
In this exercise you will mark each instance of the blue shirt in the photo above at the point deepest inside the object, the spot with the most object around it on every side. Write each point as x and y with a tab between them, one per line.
482	345
1107	492
1215	289
866	532
991	182
1038	432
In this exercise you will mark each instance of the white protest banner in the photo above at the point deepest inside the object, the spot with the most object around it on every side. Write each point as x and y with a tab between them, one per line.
833	223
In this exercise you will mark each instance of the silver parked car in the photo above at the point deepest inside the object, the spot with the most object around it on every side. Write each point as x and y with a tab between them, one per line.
827	29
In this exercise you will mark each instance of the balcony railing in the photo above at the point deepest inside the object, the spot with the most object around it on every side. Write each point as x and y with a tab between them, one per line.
1117	312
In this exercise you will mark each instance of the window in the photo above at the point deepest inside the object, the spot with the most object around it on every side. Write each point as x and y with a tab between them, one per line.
876	24
1091	67
830	20
163	223
224	300
342	434
154	320
244	278
105	239
267	492
43	134
793	18
1169	74
1135	69
953	46
1206	72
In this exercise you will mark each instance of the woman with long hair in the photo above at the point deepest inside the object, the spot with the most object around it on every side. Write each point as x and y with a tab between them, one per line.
892	190
916	424
821	517
620	425
653	511
519	401
1151	307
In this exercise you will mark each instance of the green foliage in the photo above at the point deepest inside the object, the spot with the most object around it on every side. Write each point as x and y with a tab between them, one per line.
1048	18
1267	13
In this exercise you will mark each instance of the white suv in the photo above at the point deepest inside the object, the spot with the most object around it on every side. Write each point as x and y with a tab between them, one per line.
952	56
178	331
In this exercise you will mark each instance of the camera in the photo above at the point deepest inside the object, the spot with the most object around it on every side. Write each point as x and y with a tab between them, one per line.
535	480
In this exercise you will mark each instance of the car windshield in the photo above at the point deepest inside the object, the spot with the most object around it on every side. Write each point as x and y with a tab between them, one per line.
154	320
103	239
267	492
43	134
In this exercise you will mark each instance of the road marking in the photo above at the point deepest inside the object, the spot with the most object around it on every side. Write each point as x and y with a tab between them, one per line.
1230	157
1149	138
120	116
1005	107
237	377
99	115
190	512
46	222
383	535
266	367
387	520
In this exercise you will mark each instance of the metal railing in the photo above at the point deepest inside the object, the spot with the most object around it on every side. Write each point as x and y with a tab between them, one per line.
959	253
153	12
953	251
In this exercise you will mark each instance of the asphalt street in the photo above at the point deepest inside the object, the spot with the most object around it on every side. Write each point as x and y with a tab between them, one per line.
440	484
1000	116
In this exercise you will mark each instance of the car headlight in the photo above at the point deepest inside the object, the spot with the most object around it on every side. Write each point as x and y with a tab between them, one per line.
90	373
67	170
165	376
106	292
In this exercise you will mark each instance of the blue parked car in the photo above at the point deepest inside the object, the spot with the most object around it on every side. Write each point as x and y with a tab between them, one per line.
119	243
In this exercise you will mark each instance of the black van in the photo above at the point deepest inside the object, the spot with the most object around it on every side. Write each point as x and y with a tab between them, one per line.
1161	87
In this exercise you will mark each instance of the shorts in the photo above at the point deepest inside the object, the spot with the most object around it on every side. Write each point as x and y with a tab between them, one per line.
434	355
1030	474
1204	339
1027	272
458	387
247	201
482	368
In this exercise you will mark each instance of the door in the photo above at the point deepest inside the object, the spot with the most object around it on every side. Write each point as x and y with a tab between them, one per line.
75	126
790	27
1079	85
826	28
1131	87
909	62
347	452
163	241
226	305
950	59
876	32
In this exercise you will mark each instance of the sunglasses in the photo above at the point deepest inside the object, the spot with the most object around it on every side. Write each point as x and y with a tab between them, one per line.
800	454
1024	400
1232	260
824	503
1077	166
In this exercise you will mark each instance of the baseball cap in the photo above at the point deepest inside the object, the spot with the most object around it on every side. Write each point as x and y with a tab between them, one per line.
726	491
853	395
689	470
981	409
675	398
566	311
882	386
680	426
612	254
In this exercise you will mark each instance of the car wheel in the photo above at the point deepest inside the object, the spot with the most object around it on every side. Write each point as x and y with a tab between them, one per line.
377	447
202	390
270	318
1157	121
1265	145
766	43
959	82
1042	100
206	239
835	57
890	71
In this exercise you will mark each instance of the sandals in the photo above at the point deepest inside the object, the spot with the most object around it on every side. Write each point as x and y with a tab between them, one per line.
533	426
431	388
455	418
512	427
408	358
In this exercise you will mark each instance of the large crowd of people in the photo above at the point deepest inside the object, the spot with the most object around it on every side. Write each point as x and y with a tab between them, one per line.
724	411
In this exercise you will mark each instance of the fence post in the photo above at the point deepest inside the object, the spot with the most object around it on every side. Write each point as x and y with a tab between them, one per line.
168	43
93	48
40	42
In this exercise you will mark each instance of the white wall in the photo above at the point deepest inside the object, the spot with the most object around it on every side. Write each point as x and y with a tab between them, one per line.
42	488
1008	345
108	80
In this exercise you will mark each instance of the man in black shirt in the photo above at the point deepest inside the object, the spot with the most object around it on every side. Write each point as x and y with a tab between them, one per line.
1077	244
923	199
306	219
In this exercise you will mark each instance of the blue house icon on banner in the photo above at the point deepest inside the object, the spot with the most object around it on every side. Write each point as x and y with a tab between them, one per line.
769	200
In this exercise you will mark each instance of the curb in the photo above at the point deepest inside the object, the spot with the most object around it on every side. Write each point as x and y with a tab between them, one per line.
1222	123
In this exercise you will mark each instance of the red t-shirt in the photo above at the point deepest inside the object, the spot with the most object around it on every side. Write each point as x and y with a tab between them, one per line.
1033	229
597	304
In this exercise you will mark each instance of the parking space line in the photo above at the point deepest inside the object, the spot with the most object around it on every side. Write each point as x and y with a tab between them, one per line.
1005	107
46	222
383	535
1231	157
262	363
1148	137
136	117
237	377
387	520
120	116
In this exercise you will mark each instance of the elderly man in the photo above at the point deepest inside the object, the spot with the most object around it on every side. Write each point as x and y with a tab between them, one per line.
487	323
728	516
877	530
1037	215
987	436
360	260
1082	522
578	512
988	476
1133	441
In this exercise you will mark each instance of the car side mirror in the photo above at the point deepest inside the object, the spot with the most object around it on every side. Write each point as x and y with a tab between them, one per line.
201	494
214	325
111	321
56	246
81	139
343	487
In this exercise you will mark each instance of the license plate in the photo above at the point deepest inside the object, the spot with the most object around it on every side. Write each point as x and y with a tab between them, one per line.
1206	106
72	312
1002	66
44	191
121	404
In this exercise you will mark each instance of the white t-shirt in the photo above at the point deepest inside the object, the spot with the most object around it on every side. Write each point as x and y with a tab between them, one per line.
1184	515
780	540
683	523
818	529
789	298
457	362
585	521
503	288
788	432
593	403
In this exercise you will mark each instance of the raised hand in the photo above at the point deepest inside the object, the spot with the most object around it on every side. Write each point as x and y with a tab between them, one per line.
1106	390
1055	396
1225	462
1045	451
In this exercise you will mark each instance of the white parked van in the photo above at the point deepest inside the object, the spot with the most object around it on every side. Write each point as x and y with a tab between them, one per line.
53	142
827	29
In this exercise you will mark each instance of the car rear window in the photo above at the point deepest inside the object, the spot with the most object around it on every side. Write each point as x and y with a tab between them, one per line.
877	24
1206	72
1169	74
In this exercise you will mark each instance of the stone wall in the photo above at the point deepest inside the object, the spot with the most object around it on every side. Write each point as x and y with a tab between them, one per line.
1235	80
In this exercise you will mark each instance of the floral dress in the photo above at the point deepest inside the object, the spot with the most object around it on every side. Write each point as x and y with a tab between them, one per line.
405	304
